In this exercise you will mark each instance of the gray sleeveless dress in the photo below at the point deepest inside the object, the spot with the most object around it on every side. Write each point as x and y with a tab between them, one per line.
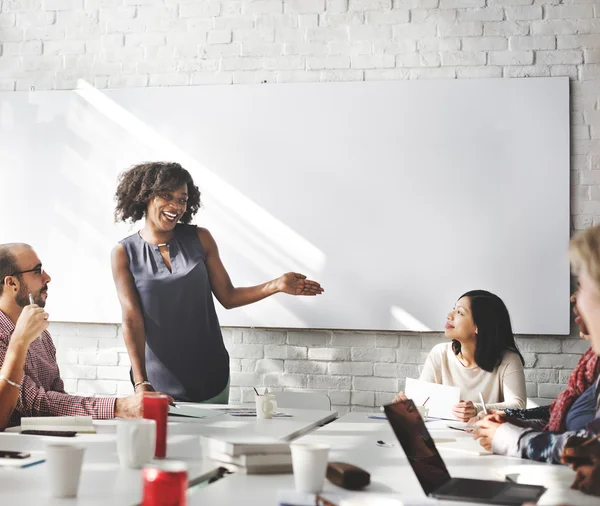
185	354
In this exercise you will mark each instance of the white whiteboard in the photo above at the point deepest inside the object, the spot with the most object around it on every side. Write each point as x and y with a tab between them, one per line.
396	196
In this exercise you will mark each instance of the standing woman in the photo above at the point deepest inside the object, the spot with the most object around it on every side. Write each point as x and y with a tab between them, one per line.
165	276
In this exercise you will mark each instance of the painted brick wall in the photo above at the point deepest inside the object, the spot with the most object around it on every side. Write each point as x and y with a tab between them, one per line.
50	44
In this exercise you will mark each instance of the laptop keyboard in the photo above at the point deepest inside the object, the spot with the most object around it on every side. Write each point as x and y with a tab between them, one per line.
464	487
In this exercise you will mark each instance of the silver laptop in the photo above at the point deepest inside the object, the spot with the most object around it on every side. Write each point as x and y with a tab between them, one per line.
432	473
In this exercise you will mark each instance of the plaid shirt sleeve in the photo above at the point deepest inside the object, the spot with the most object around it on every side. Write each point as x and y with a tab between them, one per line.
35	400
548	446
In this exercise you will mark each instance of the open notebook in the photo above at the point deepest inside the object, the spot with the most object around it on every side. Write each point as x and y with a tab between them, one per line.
80	424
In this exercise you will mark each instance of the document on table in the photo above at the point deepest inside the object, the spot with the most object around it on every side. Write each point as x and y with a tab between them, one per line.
441	397
193	411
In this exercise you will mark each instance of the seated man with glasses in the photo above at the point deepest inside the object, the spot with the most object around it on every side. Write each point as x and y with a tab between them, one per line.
32	373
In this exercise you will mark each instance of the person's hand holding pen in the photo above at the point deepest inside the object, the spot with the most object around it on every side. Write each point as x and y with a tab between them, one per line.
32	321
486	429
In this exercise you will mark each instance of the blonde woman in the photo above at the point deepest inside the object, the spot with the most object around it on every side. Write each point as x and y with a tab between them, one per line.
566	447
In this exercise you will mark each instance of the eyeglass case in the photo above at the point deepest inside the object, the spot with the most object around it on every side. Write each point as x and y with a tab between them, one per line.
347	476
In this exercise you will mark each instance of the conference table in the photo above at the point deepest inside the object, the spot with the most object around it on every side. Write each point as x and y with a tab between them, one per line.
104	482
353	438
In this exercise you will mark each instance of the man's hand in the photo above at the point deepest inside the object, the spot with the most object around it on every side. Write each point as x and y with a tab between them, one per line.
400	397
464	411
577	453
32	321
133	406
587	480
486	429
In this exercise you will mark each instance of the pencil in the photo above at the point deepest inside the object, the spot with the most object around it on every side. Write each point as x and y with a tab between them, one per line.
595	438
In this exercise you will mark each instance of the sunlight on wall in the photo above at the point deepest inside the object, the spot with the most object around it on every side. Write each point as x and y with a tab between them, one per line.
408	320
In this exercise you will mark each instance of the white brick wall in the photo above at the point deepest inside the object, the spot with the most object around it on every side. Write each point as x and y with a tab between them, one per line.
50	44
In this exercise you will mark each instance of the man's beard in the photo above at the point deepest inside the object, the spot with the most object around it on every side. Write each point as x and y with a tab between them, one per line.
23	297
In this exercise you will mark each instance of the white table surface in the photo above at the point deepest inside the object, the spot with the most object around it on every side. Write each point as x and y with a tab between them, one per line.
104	483
353	439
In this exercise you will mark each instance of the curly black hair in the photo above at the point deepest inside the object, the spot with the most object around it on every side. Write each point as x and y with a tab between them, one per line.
138	184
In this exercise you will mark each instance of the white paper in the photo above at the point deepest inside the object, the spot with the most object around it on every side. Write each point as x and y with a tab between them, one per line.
193	411
441	397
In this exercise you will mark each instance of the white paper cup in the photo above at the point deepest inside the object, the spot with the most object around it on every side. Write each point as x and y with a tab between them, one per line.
423	411
64	468
310	464
136	441
265	406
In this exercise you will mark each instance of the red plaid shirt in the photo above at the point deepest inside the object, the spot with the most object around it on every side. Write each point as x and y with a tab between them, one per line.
43	392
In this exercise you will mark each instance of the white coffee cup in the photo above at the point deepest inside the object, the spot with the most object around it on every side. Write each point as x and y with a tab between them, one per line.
423	411
265	405
310	464
136	440
64	468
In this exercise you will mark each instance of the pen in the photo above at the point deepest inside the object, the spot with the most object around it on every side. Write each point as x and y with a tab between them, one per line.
31	302
174	405
595	438
483	403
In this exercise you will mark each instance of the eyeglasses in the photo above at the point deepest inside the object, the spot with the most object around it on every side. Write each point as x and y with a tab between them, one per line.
38	269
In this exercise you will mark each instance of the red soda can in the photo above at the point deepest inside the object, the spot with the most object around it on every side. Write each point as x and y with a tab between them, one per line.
165	484
156	407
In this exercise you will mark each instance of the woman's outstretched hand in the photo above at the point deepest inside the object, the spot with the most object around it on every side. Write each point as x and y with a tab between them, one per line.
294	283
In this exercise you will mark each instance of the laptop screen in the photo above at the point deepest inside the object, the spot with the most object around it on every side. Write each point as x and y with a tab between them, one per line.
418	445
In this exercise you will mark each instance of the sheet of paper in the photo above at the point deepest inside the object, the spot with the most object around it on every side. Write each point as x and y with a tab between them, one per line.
193	411
441	397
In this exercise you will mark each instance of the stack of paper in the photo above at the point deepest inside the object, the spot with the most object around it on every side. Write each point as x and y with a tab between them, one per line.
251	456
80	424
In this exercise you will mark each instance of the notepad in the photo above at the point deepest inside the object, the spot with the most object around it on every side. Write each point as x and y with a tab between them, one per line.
235	445
80	424
441	397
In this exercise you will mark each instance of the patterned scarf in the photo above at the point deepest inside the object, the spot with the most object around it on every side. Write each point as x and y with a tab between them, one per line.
582	377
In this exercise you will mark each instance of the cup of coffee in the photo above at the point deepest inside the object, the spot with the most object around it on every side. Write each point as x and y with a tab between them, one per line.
310	464
136	442
64	462
265	406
